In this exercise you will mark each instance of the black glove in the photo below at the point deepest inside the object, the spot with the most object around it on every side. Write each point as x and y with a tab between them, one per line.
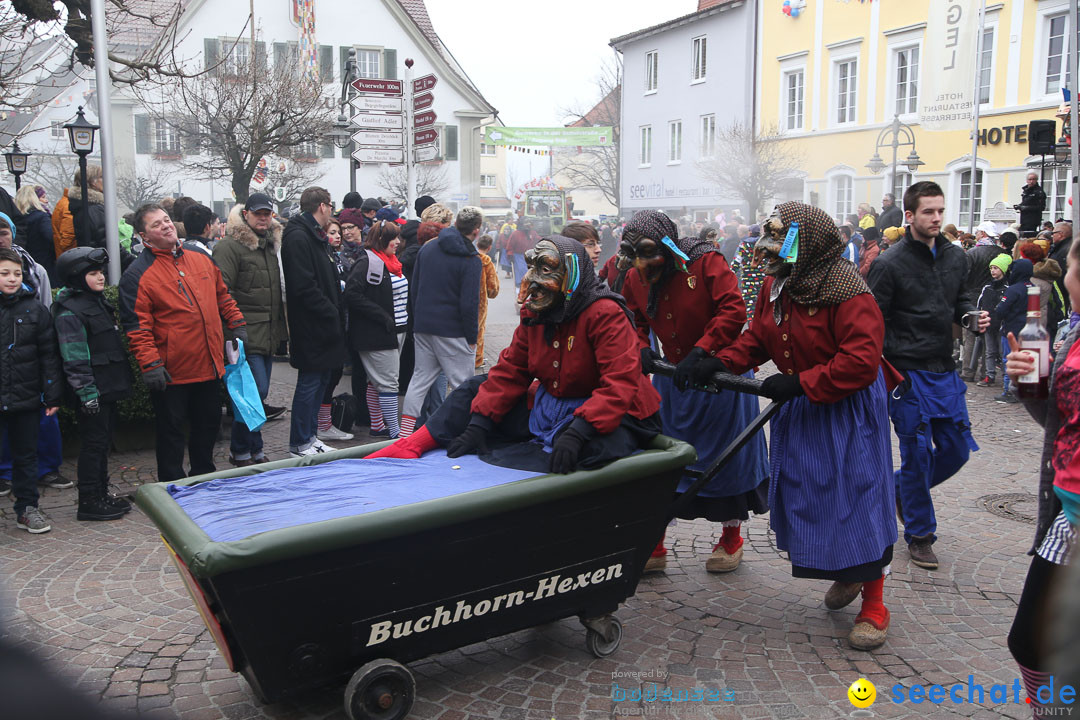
91	407
157	379
782	387
472	441
648	360
565	451
240	333
684	369
704	370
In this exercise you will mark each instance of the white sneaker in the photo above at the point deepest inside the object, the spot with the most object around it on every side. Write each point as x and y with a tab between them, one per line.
322	447
311	450
332	433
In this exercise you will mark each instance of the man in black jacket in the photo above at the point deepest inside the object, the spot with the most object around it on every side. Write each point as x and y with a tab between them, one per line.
890	216
1032	204
316	322
920	287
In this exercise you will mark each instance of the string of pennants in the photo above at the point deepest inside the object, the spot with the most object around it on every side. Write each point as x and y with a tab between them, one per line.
526	150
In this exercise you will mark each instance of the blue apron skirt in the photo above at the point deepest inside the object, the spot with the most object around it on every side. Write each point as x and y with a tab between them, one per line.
832	494
709	422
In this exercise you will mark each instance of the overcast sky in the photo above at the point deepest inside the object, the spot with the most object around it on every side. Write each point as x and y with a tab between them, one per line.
530	59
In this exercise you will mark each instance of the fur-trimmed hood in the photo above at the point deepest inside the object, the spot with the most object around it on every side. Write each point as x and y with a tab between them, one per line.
92	195
1047	270
238	229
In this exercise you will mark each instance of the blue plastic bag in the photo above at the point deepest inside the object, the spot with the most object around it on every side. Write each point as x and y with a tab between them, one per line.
247	405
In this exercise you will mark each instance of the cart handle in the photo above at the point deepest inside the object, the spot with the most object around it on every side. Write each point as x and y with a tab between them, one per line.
720	381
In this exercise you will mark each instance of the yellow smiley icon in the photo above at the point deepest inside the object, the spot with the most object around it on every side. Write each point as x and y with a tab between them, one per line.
862	693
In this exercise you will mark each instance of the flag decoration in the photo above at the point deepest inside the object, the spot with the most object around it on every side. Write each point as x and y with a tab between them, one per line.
304	14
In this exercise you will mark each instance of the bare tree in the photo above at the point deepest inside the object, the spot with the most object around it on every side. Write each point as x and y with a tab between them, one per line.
54	172
226	120
748	165
142	34
595	168
430	180
134	187
294	177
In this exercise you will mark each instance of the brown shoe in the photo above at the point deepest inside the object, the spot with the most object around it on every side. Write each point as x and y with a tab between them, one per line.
867	634
922	553
657	563
841	594
720	561
240	463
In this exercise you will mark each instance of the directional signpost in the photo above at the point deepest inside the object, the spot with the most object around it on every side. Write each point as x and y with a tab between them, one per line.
423	84
425	137
426	153
379	138
379	155
377	103
423	101
374	86
424	119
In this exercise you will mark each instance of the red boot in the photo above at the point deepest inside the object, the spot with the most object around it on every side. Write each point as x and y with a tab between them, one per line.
408	448
658	559
872	623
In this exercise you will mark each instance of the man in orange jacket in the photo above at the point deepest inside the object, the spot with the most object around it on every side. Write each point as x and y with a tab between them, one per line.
172	303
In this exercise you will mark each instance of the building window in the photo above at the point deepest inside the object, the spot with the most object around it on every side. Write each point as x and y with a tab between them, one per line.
675	141
369	63
907	80
645	150
651	76
487	150
56	129
307	150
847	80
901	182
842	191
795	91
237	56
1057	196
487	181
698	59
166	140
708	136
1057	49
965	198
986	65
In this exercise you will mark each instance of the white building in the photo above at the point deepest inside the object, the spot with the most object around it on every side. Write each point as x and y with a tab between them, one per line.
683	80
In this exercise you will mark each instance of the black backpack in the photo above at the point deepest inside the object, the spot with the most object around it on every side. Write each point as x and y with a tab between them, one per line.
343	409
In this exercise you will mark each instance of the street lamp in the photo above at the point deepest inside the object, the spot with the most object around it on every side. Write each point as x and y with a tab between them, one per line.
1061	149
342	135
16	162
895	136
81	136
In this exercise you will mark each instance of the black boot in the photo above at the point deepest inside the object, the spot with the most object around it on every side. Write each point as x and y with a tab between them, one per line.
97	508
114	501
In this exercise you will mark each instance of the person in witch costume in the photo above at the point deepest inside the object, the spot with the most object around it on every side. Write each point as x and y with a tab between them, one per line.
831	491
685	292
592	404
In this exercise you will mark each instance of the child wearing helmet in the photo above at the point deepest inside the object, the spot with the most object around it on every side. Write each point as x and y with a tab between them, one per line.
96	368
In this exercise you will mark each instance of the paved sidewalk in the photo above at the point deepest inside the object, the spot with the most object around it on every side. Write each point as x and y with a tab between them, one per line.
103	603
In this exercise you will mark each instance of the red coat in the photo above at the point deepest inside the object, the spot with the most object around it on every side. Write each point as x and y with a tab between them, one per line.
836	349
703	308
595	355
609	272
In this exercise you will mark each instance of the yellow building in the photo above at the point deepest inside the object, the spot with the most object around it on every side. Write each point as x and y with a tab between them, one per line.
833	78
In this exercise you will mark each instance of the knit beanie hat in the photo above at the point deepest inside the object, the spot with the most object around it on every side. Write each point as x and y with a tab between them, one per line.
422	203
892	234
351	215
370	204
1002	263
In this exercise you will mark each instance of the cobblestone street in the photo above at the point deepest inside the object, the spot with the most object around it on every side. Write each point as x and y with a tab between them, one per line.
104	604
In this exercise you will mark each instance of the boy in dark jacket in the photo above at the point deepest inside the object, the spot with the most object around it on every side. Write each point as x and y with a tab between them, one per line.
29	377
96	368
990	297
1011	314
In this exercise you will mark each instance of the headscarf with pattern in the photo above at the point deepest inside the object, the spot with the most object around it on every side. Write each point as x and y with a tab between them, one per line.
655	225
821	275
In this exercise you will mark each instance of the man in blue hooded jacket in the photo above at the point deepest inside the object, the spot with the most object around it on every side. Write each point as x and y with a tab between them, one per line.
445	290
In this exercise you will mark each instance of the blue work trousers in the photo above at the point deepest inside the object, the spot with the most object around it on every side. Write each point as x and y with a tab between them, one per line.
246	444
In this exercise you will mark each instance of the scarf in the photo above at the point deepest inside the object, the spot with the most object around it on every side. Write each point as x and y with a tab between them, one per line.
821	275
983	242
655	225
392	262
589	289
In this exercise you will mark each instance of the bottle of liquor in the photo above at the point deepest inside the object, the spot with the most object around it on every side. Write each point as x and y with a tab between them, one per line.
1035	340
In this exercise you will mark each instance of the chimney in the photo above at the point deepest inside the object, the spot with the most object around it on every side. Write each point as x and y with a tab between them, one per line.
706	4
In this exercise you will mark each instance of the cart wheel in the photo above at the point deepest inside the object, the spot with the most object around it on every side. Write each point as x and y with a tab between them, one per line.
381	690
603	644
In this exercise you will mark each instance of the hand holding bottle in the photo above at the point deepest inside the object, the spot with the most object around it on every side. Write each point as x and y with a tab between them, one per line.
1018	363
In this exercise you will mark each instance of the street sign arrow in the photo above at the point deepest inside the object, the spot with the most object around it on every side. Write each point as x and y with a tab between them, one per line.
424	119
379	138
375	121
425	137
377	103
426	153
421	84
379	87
422	101
379	155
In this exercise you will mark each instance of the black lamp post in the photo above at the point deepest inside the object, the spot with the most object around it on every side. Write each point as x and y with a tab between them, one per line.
16	162
341	133
895	136
81	136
